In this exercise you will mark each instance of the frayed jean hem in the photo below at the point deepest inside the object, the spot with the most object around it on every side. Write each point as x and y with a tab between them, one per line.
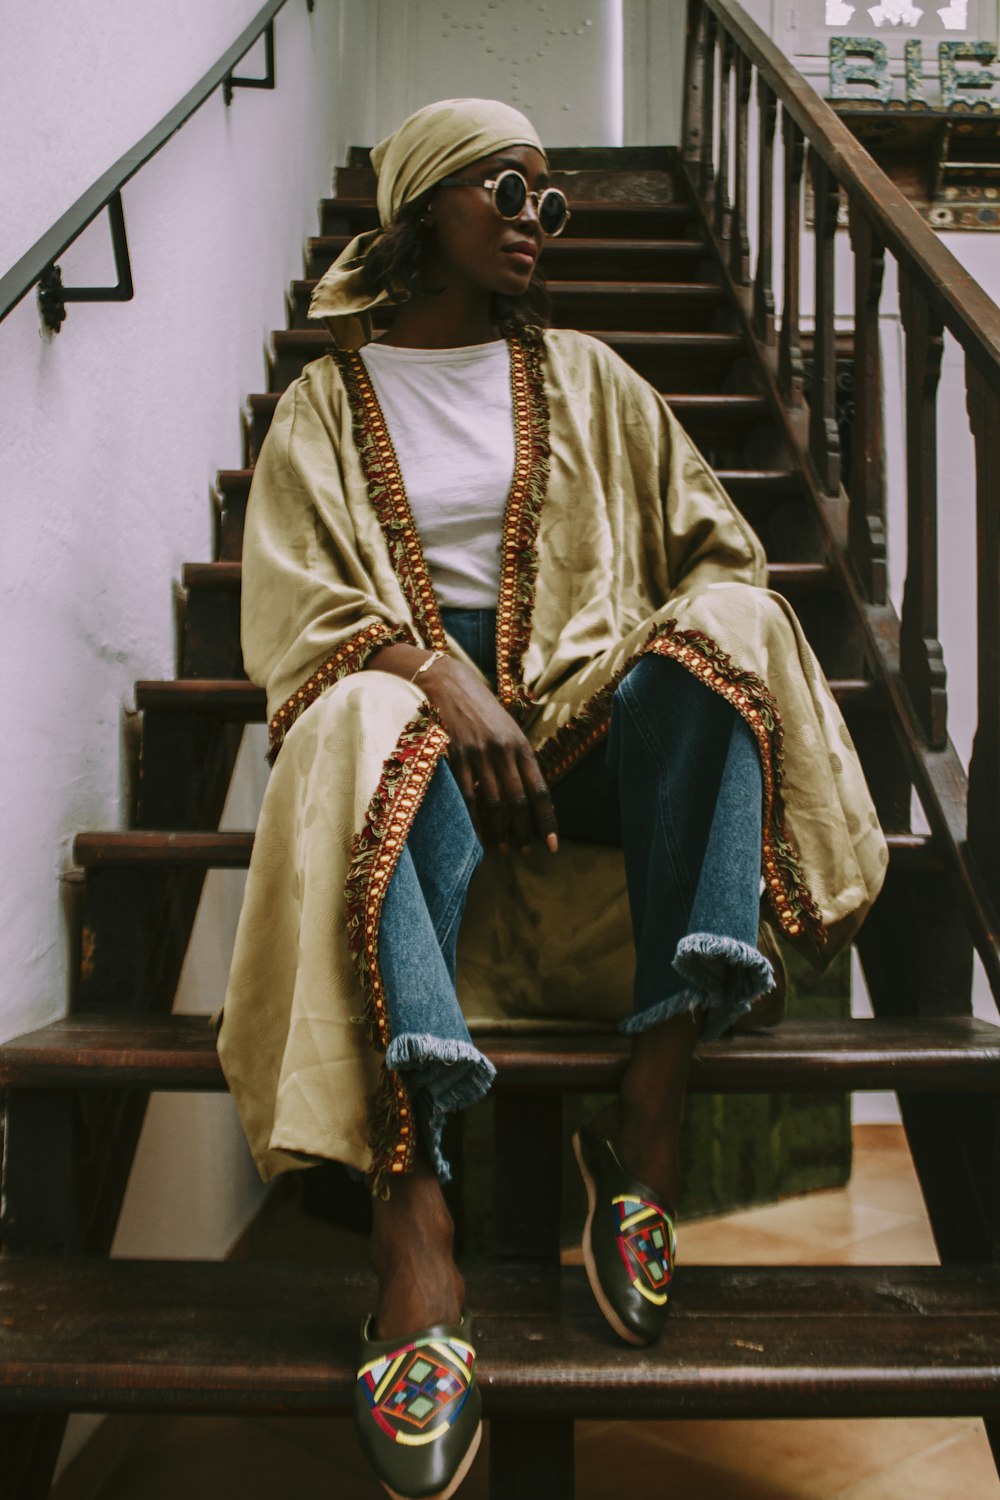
724	975
441	1075
685	1002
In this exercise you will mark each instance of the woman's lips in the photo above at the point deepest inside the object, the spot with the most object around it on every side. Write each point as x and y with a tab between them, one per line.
523	255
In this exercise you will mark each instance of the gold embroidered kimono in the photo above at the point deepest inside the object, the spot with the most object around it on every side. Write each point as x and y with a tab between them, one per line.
618	540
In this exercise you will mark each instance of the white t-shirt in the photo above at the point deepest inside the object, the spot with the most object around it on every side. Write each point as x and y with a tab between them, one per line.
450	414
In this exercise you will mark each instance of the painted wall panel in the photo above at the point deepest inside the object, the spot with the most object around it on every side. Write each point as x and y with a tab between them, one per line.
557	60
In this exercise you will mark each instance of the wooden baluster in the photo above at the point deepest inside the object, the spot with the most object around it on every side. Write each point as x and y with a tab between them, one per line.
739	244
866	521
695	75
723	207
789	345
763	292
921	659
708	111
983	398
824	437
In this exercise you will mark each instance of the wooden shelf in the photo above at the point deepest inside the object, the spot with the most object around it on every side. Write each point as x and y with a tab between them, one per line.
946	161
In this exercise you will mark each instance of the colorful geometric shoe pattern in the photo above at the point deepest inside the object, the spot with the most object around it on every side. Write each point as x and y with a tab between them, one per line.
629	1247
417	1409
647	1245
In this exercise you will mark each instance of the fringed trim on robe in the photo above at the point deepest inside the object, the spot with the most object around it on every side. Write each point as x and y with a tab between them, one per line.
375	851
388	497
522	514
519	547
791	901
350	657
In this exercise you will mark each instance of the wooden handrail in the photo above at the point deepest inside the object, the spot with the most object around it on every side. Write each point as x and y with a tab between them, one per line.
936	294
966	308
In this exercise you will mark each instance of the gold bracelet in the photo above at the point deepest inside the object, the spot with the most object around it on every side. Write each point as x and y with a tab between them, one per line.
428	662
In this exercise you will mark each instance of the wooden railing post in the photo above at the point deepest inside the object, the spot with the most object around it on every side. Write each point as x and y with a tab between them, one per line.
824	437
739	244
866	520
708	111
789	344
983	398
763	291
921	658
723	206
695	76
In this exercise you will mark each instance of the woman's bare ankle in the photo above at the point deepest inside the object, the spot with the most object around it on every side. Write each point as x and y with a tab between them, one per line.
412	1256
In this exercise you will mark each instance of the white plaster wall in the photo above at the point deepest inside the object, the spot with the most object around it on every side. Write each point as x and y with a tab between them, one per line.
557	60
653	67
112	434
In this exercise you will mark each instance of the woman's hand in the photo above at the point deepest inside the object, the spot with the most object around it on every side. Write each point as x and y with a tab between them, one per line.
491	759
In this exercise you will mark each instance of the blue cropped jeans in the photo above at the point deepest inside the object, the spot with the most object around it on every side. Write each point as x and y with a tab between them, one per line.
677	786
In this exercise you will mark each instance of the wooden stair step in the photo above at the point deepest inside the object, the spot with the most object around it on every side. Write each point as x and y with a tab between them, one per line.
350	214
642	161
705	415
670	361
231	850
211	643
601	173
665	306
751	489
234	484
212	611
281	1336
177	1052
240	701
784	577
572	257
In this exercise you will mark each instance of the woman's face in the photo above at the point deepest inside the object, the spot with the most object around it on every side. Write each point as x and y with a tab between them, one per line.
470	245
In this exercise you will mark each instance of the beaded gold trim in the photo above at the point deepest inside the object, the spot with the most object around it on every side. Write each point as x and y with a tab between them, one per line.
388	497
788	894
519	554
375	851
348	658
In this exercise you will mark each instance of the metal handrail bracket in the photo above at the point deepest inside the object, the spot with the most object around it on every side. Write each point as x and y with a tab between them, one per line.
53	296
231	82
38	267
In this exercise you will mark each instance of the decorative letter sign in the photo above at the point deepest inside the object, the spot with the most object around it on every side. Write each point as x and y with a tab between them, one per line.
859	66
953	79
859	60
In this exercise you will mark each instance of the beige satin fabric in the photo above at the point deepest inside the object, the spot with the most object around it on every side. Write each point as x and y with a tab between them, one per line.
635	530
435	142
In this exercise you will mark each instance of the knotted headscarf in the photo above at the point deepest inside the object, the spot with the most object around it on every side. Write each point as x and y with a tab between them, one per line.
438	140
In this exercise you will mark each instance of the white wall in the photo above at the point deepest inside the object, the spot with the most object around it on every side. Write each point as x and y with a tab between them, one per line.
557	60
112	434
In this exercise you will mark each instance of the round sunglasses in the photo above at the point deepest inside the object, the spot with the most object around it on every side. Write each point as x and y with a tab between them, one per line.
509	193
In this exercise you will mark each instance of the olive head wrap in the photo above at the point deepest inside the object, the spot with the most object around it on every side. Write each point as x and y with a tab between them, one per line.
438	140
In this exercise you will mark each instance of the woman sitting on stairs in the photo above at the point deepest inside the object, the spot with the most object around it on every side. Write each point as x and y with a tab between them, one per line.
541	738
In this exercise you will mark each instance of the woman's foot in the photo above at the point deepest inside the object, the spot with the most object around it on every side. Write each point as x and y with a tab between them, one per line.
416	1402
412	1256
628	1242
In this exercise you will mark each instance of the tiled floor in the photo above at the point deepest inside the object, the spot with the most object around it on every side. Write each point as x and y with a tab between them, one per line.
879	1218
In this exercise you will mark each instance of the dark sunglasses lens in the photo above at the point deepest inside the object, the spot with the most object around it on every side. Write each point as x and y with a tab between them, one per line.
552	211
510	195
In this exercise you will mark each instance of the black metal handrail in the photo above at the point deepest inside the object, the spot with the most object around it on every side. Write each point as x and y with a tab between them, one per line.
38	265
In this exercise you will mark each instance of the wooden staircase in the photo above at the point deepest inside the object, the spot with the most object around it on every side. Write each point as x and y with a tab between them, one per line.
646	269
